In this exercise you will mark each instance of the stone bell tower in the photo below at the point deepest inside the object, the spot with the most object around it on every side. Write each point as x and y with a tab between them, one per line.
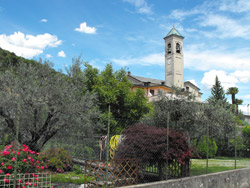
174	66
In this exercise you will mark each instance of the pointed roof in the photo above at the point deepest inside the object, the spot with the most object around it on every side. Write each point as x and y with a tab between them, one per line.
174	31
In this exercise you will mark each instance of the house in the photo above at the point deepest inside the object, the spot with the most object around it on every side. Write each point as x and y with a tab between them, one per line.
174	73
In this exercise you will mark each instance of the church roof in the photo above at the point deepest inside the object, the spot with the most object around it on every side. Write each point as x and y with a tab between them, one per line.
174	31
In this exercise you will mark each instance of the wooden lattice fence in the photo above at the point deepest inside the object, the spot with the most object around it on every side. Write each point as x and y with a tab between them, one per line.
116	173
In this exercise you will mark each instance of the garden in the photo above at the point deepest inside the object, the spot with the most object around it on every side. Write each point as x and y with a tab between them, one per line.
56	128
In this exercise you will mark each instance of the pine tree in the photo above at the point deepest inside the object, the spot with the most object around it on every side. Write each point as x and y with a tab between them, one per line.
217	93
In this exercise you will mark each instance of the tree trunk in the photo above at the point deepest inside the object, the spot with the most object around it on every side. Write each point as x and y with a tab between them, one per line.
160	165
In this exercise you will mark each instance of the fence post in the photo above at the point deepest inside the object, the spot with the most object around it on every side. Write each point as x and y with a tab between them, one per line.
107	146
16	140
167	146
235	151
207	147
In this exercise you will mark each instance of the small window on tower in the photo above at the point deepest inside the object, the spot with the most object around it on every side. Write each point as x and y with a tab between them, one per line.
169	48
178	48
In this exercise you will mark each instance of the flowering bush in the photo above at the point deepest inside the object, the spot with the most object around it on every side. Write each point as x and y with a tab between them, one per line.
56	159
27	163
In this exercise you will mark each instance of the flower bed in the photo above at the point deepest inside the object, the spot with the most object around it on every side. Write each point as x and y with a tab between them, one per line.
28	168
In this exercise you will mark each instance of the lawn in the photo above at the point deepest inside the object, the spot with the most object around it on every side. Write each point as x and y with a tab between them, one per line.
198	166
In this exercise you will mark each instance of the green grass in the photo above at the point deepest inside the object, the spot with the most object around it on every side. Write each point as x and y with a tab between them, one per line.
69	177
218	164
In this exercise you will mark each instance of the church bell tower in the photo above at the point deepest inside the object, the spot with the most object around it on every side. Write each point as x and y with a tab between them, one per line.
174	66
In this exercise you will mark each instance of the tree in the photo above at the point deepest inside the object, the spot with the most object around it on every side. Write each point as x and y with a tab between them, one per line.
148	144
48	102
237	103
113	88
232	91
194	119
218	94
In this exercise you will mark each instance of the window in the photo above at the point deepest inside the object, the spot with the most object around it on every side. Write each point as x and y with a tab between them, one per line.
169	48
152	92
178	48
187	89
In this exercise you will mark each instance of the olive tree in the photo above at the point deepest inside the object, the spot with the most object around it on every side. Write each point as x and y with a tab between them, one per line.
44	102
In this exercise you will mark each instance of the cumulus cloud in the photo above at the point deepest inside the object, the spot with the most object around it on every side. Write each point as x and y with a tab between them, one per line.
44	20
48	56
86	29
28	46
199	58
141	6
151	59
61	54
235	5
227	80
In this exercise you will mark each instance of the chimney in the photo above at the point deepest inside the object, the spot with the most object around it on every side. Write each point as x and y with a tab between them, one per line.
129	73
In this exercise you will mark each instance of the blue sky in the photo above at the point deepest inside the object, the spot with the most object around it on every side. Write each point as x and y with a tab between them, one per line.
129	33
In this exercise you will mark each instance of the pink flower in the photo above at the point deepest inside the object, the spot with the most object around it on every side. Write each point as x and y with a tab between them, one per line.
2	164
18	153
35	184
1	171
9	167
8	174
24	160
32	160
42	167
37	161
6	180
13	159
20	180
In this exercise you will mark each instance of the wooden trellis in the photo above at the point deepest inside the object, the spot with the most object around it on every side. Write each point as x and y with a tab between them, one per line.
116	173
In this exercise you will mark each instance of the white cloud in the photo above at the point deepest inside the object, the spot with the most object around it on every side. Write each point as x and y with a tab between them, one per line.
61	54
44	20
235	5
48	56
86	29
226	80
28	46
226	27
198	58
193	82
142	6
151	59
243	76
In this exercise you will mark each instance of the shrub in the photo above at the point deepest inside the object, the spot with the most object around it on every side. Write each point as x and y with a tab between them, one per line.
202	147
57	159
27	162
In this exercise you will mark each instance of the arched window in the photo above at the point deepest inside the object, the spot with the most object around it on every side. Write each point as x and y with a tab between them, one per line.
178	48
169	48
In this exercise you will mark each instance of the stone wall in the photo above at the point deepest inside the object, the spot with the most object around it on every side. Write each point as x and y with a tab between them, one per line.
229	179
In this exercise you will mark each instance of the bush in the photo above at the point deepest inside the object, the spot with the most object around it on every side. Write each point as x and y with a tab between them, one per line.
202	147
57	159
27	160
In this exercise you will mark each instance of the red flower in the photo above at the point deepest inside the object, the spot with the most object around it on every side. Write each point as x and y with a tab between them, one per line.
9	167
1	171
6	180
2	164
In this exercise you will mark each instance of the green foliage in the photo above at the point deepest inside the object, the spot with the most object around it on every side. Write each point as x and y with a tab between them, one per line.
88	152
57	159
77	169
246	136
202	147
217	94
113	88
27	160
70	177
49	103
